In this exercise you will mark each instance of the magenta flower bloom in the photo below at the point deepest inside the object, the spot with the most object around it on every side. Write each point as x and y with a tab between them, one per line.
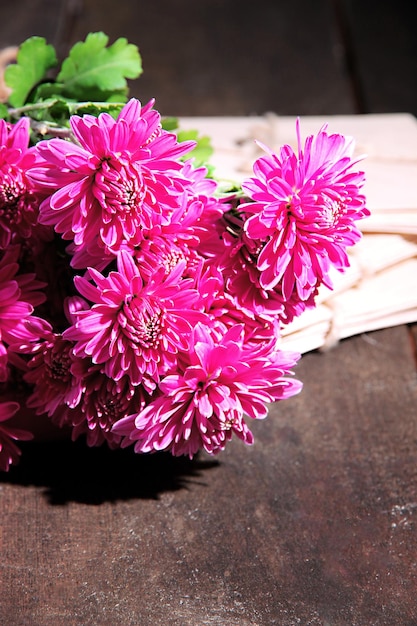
135	328
18	296
103	402
18	200
49	371
243	278
304	211
109	185
9	451
217	382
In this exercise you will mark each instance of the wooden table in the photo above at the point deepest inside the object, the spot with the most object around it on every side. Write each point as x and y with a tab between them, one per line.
316	524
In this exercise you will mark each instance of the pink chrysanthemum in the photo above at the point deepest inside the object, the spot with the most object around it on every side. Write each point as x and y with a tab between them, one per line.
9	451
107	187
218	382
304	210
243	279
49	371
104	401
135	328
18	200
18	296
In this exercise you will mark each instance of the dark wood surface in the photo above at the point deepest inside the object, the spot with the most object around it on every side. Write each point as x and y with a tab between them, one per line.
316	524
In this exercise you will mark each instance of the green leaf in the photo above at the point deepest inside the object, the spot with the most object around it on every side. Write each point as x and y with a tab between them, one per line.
93	71
203	150
169	123
95	108
4	111
58	109
46	90
34	59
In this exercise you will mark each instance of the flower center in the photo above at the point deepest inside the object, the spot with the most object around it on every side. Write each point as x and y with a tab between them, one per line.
171	259
129	194
331	211
229	423
144	321
120	191
108	409
58	362
12	189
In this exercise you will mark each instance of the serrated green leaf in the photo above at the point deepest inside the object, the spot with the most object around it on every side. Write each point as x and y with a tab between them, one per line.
58	109
202	151
95	108
93	71
34	59
46	110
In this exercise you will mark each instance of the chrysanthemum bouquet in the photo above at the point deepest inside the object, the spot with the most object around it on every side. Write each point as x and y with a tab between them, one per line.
141	301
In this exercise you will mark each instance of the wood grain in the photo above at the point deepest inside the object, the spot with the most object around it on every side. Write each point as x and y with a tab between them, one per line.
315	524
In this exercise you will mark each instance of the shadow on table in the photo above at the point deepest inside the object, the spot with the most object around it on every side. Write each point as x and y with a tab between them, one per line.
72	472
